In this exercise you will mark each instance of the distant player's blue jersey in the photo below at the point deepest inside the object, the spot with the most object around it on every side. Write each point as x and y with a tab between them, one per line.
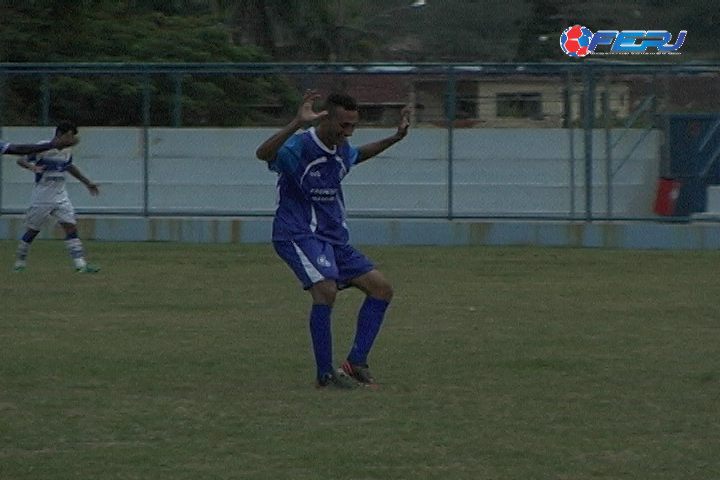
309	195
3	146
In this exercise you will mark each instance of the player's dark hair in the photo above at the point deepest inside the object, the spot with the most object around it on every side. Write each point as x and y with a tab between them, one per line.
66	126
343	100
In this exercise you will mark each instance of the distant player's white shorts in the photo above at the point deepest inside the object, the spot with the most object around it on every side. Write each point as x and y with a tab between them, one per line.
36	215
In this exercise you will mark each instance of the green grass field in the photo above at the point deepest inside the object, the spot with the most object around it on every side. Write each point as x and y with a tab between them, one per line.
194	362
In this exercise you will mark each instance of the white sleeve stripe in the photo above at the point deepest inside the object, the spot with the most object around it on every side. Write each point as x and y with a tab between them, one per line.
310	165
313	220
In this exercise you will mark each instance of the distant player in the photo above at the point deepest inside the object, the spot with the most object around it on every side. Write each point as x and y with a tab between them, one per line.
310	233
50	198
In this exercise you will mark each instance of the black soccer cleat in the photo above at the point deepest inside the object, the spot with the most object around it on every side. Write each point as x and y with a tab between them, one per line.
360	373
337	380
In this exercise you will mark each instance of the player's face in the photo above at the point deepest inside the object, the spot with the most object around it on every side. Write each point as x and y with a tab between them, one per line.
341	125
67	137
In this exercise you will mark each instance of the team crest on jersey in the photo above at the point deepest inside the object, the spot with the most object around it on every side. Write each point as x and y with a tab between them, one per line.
323	261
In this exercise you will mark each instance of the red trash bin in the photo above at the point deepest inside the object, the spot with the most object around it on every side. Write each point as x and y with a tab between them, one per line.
667	193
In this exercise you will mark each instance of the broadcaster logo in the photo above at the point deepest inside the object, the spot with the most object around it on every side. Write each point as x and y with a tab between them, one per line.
579	41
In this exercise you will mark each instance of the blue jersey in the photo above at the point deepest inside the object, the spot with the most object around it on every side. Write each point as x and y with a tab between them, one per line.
309	195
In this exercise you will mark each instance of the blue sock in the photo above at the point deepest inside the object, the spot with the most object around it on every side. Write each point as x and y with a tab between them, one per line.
370	320
321	337
23	248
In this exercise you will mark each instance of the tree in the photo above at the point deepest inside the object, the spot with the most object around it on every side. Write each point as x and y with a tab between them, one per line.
110	32
541	26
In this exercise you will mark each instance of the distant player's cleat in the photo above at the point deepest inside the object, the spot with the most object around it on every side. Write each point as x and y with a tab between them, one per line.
87	269
336	380
19	268
359	373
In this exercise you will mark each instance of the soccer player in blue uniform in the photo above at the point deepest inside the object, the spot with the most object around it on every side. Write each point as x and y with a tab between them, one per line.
309	229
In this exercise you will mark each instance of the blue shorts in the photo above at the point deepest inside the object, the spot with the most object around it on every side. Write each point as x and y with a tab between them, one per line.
315	260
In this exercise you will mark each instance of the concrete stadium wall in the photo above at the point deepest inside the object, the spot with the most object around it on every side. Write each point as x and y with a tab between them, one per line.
204	185
232	230
500	172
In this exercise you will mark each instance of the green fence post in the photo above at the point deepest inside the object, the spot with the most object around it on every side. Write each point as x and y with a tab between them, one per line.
450	114
2	122
177	100
588	124
146	143
607	117
568	123
45	101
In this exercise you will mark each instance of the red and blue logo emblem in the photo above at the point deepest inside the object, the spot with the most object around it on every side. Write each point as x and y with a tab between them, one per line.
575	41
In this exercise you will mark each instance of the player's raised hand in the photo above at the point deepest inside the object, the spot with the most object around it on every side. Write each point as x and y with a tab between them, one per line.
404	121
305	112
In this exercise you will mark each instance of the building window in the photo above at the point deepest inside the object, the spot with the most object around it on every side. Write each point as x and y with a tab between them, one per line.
372	113
519	105
466	107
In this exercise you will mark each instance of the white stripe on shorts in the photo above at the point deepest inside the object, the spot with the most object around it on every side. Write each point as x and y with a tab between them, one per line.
312	272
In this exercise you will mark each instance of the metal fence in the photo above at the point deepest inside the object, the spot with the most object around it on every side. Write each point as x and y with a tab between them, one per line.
612	115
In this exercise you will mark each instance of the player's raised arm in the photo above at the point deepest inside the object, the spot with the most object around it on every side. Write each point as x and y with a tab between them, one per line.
305	115
369	150
30	148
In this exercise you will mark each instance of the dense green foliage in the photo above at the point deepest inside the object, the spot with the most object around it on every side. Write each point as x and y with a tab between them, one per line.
241	31
115	34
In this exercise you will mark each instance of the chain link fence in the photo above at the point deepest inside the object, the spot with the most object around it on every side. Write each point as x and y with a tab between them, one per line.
587	141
